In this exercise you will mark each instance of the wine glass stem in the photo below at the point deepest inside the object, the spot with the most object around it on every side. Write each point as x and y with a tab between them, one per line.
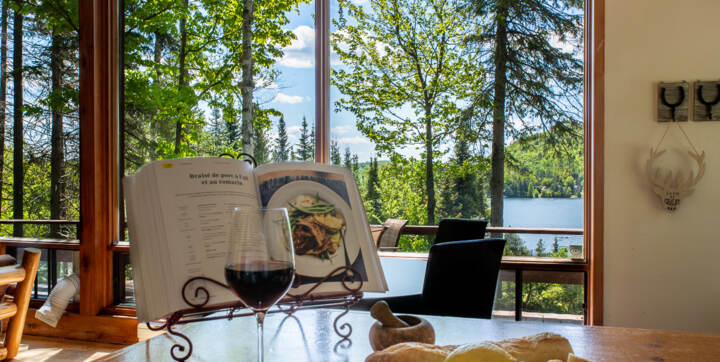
260	319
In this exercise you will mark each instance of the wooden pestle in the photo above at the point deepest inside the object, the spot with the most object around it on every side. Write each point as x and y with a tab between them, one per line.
381	311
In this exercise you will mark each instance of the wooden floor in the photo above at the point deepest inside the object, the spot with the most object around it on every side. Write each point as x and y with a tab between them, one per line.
34	348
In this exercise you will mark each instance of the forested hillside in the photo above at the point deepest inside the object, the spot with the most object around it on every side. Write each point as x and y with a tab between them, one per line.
539	168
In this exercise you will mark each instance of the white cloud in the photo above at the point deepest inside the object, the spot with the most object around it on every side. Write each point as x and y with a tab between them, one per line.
357	140
341	130
301	51
289	99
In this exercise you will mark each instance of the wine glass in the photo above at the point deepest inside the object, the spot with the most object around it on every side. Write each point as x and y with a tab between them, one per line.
260	266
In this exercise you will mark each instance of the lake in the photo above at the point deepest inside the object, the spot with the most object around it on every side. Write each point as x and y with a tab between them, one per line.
545	213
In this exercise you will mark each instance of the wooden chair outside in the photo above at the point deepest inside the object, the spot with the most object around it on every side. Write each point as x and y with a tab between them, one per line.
16	310
392	230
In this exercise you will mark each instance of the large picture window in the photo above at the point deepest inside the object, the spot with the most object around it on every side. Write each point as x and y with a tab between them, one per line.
441	109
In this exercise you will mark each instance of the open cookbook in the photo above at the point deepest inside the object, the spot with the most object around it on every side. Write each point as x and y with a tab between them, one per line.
179	210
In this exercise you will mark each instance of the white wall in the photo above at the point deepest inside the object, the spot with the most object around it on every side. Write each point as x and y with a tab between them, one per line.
660	271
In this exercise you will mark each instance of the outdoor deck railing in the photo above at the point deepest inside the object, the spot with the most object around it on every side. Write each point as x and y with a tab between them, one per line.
519	270
49	246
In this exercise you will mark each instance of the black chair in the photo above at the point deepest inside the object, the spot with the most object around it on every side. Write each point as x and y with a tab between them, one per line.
460	229
460	280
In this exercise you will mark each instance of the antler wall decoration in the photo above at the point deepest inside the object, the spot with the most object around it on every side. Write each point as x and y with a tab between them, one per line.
673	189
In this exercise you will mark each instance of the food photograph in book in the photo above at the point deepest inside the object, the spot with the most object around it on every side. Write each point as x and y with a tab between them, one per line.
325	234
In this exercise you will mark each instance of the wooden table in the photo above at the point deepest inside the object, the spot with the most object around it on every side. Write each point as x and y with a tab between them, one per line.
309	336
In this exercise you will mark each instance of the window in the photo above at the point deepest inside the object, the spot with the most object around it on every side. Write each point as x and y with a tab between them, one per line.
39	134
391	72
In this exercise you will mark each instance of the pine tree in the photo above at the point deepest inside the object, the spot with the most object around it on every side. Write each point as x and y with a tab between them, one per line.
465	182
18	138
347	160
372	197
532	77
261	150
306	143
540	248
355	165
515	246
3	89
283	150
335	157
556	245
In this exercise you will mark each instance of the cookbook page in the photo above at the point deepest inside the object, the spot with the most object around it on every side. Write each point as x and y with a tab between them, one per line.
328	222
197	196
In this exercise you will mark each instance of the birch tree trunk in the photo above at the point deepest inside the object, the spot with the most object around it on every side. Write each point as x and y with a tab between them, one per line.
248	84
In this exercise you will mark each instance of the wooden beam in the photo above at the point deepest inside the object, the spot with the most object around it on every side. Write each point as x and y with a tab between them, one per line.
594	151
101	328
322	81
98	150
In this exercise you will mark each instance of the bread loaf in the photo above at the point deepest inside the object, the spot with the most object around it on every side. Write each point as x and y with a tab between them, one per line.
480	352
411	351
541	347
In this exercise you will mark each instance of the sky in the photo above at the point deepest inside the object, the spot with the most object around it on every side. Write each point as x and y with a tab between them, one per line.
293	93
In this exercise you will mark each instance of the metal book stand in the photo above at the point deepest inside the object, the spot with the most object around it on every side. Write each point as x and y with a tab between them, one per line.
203	311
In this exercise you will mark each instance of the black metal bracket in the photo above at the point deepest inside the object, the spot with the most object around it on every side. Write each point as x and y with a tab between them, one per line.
672	106
708	104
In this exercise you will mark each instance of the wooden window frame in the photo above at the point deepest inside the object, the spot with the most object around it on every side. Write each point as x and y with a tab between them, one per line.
593	114
99	164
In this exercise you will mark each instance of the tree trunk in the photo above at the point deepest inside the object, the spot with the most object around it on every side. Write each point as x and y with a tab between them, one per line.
429	174
57	152
18	169
3	92
157	56
247	82
497	175
183	81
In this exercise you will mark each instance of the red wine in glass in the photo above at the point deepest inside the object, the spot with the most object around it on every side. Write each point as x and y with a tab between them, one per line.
260	285
260	265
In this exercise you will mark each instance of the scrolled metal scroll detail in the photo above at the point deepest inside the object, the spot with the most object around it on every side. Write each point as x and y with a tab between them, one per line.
199	290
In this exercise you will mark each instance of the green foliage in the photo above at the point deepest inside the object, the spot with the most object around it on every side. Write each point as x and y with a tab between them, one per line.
282	147
406	54
306	143
541	170
335	157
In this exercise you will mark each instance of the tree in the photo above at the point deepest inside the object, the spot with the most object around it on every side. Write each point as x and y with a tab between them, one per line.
57	139
3	89
18	138
409	54
306	143
533	79
347	158
540	248
372	197
248	83
465	192
515	246
555	245
282	149
335	157
355	165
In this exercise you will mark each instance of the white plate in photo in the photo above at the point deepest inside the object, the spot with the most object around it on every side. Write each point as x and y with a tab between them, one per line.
313	265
